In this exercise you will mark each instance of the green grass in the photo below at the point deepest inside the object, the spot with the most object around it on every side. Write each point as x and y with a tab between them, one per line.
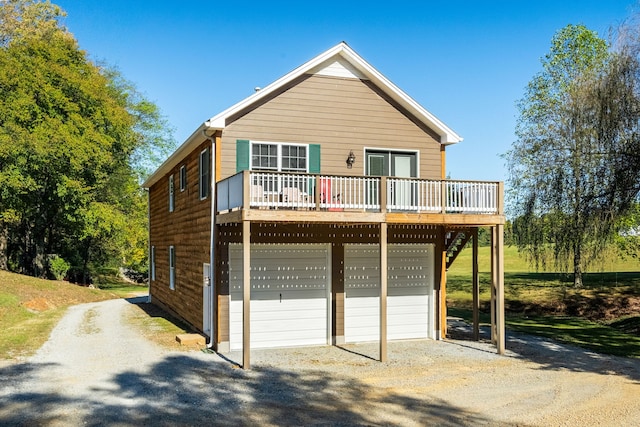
602	316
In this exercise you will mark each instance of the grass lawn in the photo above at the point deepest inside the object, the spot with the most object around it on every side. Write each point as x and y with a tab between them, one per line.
603	316
31	307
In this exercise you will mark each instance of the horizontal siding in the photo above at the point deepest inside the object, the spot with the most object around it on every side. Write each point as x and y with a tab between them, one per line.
186	228
339	114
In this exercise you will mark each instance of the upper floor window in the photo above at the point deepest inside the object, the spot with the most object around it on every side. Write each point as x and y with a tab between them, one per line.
172	197
204	173
279	157
183	177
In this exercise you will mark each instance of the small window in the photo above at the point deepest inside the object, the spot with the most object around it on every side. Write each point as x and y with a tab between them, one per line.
171	194
205	177
172	267
183	177
153	263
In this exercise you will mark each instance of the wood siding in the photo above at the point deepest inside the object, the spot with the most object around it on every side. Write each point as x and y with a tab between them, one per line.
187	229
341	115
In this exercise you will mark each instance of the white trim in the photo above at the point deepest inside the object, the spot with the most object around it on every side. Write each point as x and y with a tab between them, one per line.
172	194
202	184
183	177
172	267
152	273
279	159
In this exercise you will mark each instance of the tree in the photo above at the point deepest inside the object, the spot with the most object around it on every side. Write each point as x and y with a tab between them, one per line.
577	136
70	134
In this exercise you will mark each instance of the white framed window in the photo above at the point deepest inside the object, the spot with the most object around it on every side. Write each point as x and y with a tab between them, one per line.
183	177
152	267
279	156
172	267
172	196
204	166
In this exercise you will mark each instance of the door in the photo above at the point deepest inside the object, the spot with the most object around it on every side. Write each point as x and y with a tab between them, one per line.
290	296
401	194
410	295
207	300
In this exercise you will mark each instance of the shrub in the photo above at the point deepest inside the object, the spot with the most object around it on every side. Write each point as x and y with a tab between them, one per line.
59	267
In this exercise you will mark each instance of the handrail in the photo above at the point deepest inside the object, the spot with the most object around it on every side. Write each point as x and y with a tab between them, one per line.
282	190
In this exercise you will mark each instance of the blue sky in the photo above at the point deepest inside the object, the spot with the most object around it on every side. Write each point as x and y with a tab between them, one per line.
467	62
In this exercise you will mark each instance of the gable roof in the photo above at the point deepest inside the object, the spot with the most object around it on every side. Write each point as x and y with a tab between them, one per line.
340	60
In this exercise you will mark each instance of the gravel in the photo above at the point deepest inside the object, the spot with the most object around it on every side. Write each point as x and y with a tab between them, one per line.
97	370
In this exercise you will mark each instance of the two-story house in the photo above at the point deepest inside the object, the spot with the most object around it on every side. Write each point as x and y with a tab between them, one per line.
316	212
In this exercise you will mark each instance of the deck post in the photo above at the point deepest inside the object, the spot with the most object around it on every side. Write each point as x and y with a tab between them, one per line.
383	291
246	294
383	194
439	266
494	272
246	190
476	288
500	336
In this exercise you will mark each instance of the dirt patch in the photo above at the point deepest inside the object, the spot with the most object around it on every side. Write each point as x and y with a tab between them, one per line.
38	305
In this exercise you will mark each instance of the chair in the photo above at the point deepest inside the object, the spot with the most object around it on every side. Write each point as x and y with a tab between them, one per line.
291	196
256	195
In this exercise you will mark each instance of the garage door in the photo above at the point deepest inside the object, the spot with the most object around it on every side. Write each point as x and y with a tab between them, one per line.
289	295
410	302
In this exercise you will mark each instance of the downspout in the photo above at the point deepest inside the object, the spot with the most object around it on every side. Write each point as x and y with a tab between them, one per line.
212	243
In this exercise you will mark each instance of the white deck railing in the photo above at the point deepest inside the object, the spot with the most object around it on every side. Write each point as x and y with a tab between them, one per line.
267	190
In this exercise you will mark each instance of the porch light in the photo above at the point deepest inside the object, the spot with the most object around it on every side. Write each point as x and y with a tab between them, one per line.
351	159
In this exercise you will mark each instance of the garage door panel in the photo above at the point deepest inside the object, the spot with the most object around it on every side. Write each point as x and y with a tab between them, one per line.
289	295
409	291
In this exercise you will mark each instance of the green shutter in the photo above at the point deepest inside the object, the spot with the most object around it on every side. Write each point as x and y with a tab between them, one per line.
243	154
314	158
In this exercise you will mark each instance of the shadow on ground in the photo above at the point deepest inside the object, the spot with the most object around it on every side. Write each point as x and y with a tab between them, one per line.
550	354
186	390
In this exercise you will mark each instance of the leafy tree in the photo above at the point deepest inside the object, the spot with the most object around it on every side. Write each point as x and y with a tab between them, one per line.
71	134
577	136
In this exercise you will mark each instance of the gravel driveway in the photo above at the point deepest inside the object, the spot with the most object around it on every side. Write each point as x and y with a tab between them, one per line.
96	370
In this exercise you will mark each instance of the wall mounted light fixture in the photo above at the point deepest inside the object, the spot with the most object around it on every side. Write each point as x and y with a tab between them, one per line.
351	159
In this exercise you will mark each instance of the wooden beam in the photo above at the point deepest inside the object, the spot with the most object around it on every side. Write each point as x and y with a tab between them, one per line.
383	291
494	280
443	295
443	162
476	287
500	289
437	269
246	294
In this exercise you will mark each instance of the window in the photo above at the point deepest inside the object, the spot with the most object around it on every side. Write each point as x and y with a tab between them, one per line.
278	157
204	173
153	263
172	267
171	194
183	177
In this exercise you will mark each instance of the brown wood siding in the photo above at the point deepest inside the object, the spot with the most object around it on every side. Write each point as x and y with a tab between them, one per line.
187	228
341	115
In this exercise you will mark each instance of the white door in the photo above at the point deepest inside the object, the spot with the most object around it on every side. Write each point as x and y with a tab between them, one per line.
410	303
207	300
290	296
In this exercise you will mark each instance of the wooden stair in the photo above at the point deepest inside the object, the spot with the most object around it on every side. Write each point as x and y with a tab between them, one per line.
455	240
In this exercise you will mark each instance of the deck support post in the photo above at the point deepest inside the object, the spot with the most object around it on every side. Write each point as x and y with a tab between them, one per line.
494	280
476	288
500	337
246	294
383	291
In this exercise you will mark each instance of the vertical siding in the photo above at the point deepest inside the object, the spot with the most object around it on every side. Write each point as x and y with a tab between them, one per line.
341	115
186	228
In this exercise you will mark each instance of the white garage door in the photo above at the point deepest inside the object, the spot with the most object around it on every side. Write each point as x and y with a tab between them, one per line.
289	295
410	302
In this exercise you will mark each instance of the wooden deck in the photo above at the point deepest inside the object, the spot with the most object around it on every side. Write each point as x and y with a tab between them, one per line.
307	198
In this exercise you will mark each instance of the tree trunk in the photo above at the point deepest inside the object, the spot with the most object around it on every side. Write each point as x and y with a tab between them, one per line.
4	247
577	266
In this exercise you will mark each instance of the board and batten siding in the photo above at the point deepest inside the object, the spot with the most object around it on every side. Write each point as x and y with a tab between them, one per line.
339	114
187	229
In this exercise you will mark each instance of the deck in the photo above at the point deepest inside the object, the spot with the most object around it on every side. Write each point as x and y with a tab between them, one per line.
312	198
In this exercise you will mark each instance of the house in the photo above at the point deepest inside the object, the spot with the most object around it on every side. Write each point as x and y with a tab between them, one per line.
314	212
